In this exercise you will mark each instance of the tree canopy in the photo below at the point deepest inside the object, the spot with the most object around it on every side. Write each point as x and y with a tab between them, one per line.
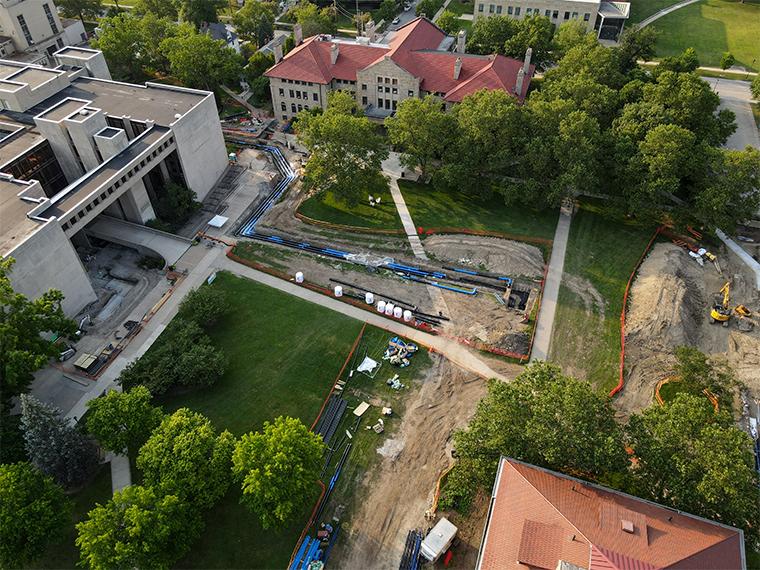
314	20
81	9
204	305
255	21
184	456
33	513
346	151
199	61
448	21
278	468
123	420
198	12
137	528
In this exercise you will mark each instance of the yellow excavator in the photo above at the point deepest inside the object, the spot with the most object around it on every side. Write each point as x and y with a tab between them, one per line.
721	311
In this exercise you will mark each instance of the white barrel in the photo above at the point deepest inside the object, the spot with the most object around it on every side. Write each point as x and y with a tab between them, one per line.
407	315
369	298
381	306
338	291
397	312
389	309
299	276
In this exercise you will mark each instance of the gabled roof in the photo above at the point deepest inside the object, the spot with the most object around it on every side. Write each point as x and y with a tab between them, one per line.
539	518
414	48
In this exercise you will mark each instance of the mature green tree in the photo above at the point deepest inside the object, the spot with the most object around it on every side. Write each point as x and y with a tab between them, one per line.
121	41
33	513
727	60
81	9
569	35
428	8
278	468
204	305
755	88
255	21
683	63
185	457
346	151
138	528
176	203
159	8
387	10
635	44
589	58
258	63
490	139
535	32
697	372
448	21
55	446
313	20
696	460
12	449
587	94
422	130
198	12
154	31
542	417
490	35
123	421
23	323
185	357
260	91
199	61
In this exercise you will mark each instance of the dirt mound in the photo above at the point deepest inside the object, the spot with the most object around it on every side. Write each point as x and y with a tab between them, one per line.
512	258
744	357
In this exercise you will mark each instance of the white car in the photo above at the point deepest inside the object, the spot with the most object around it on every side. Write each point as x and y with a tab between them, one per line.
396	20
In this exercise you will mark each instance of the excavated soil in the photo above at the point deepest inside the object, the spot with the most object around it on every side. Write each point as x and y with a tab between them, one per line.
669	307
397	494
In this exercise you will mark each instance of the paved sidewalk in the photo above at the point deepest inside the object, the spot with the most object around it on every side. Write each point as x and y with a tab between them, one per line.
664	12
406	220
121	474
546	314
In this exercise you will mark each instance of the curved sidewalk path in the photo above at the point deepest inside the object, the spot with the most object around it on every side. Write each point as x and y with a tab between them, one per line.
664	12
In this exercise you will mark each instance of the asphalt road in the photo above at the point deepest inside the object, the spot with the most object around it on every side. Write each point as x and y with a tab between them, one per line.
735	95
404	17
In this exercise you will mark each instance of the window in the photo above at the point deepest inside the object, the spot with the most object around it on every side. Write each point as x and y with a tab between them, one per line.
387	79
284	117
283	106
380	102
300	108
25	29
555	14
528	11
575	15
394	81
393	105
410	93
586	17
292	94
498	9
379	79
490	8
517	11
387	89
88	207
379	88
394	90
567	15
480	7
292	107
282	92
51	20
364	86
316	97
364	100
60	43
547	13
510	10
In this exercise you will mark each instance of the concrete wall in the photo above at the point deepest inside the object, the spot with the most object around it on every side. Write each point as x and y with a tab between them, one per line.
36	20
56	134
47	260
559	11
400	85
136	204
82	129
200	146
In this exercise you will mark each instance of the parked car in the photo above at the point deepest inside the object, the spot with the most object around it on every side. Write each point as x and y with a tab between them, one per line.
396	20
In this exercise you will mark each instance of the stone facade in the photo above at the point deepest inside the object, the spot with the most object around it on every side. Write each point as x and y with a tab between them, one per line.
558	11
384	85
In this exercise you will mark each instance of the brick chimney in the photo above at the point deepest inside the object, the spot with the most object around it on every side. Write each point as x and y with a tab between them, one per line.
526	63
519	83
334	53
457	67
277	52
298	34
370	30
461	37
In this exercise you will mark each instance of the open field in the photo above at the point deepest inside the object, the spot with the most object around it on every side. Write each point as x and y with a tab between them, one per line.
713	27
601	253
641	9
325	207
459	7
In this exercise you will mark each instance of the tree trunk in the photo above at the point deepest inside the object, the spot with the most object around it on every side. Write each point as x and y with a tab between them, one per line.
81	17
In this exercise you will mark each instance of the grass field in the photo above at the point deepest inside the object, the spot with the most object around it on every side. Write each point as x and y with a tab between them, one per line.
641	9
603	249
433	208
325	207
459	7
713	27
64	553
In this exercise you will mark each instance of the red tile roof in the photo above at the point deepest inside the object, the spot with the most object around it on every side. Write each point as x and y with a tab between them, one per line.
539	517
413	47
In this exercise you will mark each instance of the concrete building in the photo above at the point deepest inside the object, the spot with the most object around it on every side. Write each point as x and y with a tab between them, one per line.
540	519
607	18
31	31
414	61
75	145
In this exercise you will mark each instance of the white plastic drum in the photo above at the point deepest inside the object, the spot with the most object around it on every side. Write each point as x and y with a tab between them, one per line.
381	306
338	291
397	312
389	309
369	298
299	277
407	315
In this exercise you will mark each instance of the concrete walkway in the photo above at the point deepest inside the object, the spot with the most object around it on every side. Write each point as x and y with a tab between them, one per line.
406	220
664	12
736	96
240	100
545	323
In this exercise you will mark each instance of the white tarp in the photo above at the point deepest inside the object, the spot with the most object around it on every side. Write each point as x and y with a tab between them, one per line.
217	221
367	365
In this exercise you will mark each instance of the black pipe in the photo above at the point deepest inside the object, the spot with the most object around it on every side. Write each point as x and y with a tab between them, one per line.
397	301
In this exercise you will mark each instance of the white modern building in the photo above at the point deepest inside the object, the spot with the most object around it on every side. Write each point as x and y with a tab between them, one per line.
607	18
75	145
31	31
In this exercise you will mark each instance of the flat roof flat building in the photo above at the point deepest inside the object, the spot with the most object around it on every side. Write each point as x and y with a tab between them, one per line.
75	145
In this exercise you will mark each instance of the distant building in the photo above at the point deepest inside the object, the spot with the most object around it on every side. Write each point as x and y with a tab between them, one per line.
539	519
31	31
76	146
412	62
607	18
224	32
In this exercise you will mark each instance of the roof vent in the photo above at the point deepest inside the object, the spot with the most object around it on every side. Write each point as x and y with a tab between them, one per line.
84	112
627	526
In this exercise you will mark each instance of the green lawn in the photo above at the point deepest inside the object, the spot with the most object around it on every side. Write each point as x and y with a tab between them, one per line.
641	9
603	249
433	208
64	553
459	7
325	207
713	27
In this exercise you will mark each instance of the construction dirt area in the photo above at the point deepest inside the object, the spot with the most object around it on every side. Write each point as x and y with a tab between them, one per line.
396	495
670	303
